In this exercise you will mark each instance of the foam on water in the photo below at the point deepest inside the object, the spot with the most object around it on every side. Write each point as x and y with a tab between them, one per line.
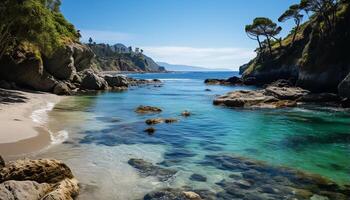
40	116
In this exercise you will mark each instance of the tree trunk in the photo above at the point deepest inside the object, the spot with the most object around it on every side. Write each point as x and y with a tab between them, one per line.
295	32
269	44
258	39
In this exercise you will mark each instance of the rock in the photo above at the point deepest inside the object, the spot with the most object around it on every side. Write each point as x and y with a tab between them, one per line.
318	197
234	80
41	171
154	121
344	87
192	195
8	85
166	194
198	177
37	180
207	90
186	113
281	83
285	93
2	162
148	169
243	68
244	98
345	103
215	81
319	97
117	81
22	190
170	120
62	89
61	63
67	189
150	130
91	81
147	109
250	81
26	68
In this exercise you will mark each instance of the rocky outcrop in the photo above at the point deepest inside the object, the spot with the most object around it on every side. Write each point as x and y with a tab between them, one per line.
230	81
117	81
69	59
37	180
92	81
26	68
119	58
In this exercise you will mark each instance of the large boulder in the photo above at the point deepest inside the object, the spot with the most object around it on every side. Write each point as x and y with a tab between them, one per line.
62	89
92	81
69	59
26	68
37	180
116	81
344	87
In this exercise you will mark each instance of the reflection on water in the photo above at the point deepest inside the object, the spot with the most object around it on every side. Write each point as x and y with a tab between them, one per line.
105	132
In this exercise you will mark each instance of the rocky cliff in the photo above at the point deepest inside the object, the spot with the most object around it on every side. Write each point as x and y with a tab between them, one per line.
120	58
317	61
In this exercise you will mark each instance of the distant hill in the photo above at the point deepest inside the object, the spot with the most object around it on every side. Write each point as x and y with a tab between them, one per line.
118	57
171	67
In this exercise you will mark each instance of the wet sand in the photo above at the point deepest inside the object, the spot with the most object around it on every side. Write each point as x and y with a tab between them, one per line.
22	127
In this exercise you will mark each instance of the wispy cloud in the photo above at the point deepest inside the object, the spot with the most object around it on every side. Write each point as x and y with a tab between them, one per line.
229	58
105	36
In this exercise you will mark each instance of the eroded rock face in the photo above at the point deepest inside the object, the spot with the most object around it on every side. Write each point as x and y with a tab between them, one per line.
37	180
62	89
92	81
25	68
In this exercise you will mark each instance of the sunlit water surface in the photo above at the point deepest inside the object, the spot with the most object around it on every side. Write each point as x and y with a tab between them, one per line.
105	132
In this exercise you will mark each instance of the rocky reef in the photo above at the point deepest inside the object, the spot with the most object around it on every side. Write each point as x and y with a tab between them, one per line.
255	180
37	180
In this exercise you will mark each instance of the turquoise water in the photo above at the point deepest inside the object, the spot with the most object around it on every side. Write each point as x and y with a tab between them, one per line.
105	132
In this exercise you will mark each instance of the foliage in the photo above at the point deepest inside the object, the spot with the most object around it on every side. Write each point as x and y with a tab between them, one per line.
262	26
293	13
36	21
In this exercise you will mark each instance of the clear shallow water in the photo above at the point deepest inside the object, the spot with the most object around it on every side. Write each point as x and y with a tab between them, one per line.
105	132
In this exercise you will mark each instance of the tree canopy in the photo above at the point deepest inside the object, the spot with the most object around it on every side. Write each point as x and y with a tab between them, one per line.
38	22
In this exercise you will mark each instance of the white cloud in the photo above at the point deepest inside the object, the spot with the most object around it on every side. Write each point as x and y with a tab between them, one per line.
101	36
228	58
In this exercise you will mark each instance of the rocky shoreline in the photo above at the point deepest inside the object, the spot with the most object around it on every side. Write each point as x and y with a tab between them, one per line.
37	180
278	94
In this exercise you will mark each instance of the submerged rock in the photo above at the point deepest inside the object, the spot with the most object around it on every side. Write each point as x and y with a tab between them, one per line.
198	177
147	109
37	180
148	169
230	81
154	121
150	130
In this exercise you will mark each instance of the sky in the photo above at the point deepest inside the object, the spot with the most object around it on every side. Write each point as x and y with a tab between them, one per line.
207	33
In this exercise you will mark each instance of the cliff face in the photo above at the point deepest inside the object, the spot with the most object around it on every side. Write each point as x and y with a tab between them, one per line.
316	61
119	58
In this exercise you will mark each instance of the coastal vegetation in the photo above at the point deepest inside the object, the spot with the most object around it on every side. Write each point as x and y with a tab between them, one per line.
312	55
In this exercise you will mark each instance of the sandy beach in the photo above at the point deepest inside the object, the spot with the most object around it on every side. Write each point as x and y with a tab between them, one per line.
23	124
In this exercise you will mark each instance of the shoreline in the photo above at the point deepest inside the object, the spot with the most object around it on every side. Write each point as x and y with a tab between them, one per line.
24	124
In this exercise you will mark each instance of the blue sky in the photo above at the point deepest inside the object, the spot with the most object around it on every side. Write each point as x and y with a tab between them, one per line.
208	33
